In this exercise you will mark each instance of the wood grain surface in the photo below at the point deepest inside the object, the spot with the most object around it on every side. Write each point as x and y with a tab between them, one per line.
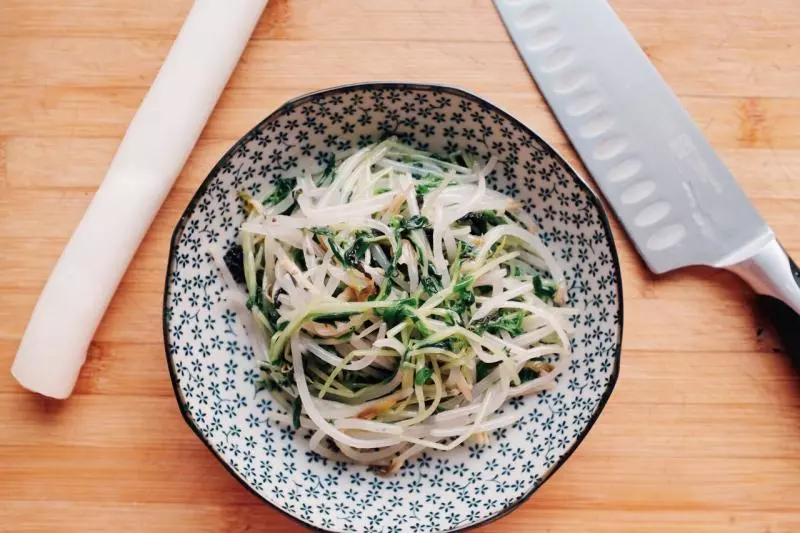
703	431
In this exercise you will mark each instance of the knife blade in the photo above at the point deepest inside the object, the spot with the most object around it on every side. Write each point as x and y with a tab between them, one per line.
677	201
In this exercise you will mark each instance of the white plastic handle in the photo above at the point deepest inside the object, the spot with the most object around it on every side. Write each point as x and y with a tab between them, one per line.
149	159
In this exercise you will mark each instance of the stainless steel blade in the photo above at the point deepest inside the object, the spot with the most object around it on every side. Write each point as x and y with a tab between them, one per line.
678	202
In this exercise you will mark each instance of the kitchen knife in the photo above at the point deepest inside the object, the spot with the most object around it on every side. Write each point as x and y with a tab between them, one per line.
676	199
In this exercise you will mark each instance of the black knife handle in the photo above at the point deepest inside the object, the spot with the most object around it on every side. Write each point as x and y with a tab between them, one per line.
787	325
776	279
785	320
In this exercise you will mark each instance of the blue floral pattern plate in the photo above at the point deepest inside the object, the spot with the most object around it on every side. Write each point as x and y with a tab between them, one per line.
213	367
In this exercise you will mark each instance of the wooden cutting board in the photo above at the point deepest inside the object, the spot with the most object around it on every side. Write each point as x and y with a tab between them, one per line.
703	431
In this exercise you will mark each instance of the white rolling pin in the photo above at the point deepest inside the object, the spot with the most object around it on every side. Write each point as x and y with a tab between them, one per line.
149	159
